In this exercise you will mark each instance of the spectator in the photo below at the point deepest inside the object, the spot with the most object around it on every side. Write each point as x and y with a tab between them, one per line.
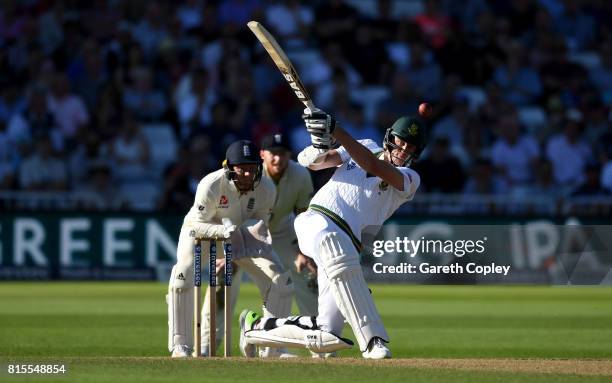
87	73
9	160
237	13
592	185
355	123
11	101
181	179
100	193
35	120
324	69
150	30
544	186
375	67
43	170
569	152
130	152
604	144
434	24
194	99
484	181
424	73
290	21
401	101
575	25
68	109
88	150
452	126
334	93
190	15
335	22
265	123
108	113
601	76
141	99
514	154
441	172
518	80
606	176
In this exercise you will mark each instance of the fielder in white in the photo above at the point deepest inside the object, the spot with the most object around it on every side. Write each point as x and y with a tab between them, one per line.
238	192
369	184
294	191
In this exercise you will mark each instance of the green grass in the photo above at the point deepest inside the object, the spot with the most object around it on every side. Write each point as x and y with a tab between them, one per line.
117	332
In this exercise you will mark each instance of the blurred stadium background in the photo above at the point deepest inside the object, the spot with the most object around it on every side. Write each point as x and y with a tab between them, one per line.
112	111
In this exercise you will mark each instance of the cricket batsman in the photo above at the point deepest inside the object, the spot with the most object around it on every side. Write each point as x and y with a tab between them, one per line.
238	192
294	190
368	186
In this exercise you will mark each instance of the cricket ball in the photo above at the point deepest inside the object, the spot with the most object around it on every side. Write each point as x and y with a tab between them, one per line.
425	110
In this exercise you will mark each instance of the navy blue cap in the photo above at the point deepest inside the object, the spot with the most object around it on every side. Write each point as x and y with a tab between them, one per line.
275	141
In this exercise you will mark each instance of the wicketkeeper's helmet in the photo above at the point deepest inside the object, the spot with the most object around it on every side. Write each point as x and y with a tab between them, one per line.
239	153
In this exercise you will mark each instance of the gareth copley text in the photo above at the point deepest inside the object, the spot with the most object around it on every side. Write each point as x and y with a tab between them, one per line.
454	268
423	246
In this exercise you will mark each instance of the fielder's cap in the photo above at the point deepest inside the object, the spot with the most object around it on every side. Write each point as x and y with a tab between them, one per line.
242	152
275	141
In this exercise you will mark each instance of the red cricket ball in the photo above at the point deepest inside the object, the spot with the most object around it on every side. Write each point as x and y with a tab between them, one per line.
425	110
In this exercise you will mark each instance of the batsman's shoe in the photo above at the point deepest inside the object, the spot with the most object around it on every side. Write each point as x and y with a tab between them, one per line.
377	349
248	319
181	351
323	355
273	352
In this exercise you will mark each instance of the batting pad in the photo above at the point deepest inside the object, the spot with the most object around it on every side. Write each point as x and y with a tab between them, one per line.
180	307
292	336
341	265
277	302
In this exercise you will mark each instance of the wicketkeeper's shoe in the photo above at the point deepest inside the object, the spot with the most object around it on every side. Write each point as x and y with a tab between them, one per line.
181	351
248	319
377	349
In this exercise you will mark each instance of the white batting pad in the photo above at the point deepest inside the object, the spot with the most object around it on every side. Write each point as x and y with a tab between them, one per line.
277	302
341	265
180	307
292	336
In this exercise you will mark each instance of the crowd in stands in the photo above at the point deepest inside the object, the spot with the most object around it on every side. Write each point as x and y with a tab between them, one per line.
134	101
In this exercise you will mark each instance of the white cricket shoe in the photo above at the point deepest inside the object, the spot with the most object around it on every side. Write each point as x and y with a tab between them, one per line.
323	355
248	318
377	349
269	352
181	351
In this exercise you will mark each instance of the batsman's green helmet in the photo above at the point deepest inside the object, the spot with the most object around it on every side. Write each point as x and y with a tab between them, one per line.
409	129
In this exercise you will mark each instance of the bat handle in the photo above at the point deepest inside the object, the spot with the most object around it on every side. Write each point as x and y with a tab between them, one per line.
310	106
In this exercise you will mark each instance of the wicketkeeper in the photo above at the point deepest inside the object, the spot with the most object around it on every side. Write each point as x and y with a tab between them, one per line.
238	192
369	184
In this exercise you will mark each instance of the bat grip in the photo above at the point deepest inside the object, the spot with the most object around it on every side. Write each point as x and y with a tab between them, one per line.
310	106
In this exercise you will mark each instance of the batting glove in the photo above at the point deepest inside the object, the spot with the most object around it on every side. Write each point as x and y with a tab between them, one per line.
318	122
324	141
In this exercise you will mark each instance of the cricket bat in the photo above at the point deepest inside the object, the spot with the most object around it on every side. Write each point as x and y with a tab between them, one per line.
282	62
